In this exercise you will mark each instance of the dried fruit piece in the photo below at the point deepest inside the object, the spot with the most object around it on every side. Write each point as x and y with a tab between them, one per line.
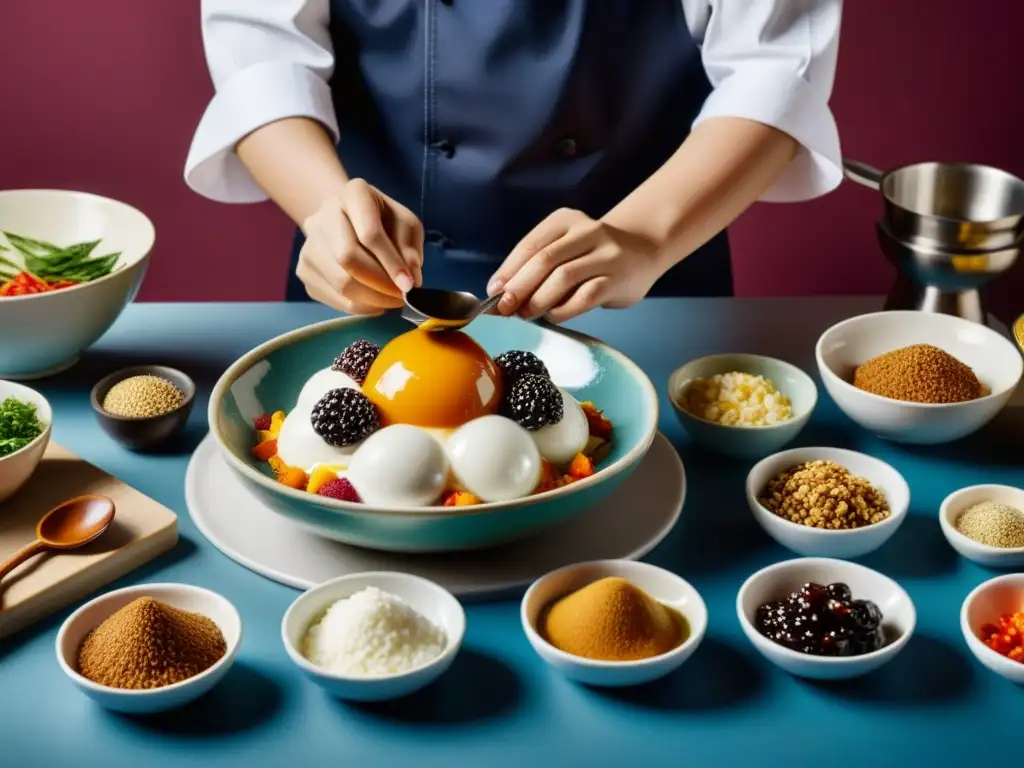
599	425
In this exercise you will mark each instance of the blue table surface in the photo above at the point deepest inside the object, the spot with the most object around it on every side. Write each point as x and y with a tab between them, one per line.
499	705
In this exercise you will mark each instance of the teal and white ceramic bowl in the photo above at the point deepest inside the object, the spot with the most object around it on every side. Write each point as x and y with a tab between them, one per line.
270	377
744	442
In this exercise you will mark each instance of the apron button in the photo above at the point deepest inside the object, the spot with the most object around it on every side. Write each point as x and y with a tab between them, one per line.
445	147
567	147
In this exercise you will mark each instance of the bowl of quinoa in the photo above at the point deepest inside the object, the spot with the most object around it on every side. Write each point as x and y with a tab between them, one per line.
742	405
143	407
918	377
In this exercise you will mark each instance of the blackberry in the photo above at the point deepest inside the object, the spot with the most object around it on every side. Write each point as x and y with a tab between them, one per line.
533	401
518	362
356	359
344	417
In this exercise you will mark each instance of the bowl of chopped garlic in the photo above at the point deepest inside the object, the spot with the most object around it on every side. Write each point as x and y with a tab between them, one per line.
742	405
985	523
827	502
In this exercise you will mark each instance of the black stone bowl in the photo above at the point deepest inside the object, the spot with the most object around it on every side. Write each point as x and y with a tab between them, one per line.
148	432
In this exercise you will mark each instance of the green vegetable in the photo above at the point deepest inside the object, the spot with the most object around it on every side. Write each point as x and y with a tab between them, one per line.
19	425
53	263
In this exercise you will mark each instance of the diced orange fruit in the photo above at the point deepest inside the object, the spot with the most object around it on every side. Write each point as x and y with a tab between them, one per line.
264	450
549	477
277	464
293	477
599	425
262	435
322	474
458	498
581	466
276	422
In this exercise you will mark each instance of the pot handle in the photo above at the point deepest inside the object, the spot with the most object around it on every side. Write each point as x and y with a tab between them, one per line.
862	173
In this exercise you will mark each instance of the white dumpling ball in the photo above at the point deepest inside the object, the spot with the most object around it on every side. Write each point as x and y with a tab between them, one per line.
399	466
495	459
559	443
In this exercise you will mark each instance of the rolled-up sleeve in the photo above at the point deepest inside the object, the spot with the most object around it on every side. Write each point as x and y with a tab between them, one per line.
774	62
269	59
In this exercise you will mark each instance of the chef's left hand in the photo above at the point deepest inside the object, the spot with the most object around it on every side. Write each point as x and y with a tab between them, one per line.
571	263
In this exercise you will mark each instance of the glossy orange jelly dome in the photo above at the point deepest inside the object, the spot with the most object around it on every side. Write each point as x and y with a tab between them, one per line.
433	379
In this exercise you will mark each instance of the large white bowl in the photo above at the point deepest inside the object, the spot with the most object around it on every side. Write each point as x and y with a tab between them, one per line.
776	581
846	345
1003	594
147	701
665	587
16	468
983	554
53	328
429	599
822	542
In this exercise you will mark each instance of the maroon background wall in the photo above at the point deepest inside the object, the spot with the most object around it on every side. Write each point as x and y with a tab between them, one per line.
104	96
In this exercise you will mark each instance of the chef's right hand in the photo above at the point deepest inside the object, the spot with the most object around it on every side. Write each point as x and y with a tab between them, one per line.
363	251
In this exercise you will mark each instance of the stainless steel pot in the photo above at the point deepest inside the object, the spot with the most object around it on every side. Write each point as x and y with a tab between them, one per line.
961	206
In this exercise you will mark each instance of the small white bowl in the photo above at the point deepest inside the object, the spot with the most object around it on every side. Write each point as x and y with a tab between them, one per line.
432	601
822	542
16	468
994	359
983	554
183	596
985	603
664	586
737	441
776	582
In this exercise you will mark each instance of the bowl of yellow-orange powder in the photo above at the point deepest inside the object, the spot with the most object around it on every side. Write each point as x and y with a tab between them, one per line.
918	377
613	623
143	407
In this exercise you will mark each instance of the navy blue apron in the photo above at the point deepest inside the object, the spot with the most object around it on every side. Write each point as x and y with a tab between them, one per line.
484	116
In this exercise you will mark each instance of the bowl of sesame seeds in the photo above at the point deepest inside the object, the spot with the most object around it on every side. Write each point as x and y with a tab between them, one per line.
145	406
985	523
827	502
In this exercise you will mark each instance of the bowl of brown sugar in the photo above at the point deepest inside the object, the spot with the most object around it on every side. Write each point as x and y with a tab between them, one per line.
149	648
918	377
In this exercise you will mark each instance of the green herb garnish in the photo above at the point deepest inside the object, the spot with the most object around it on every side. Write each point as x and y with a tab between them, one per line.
19	425
54	263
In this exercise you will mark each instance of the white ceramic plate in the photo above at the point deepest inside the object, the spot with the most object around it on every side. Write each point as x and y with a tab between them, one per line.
627	525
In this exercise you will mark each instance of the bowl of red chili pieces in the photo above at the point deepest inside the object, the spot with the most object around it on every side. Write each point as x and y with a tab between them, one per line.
992	621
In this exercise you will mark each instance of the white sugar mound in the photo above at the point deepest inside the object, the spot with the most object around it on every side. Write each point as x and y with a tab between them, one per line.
371	634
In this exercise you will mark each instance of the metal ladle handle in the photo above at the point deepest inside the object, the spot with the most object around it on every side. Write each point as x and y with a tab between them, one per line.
862	173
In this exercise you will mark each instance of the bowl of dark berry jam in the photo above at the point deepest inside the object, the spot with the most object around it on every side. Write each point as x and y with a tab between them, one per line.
825	619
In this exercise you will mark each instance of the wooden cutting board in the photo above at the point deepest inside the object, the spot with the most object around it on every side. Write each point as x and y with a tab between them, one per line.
142	529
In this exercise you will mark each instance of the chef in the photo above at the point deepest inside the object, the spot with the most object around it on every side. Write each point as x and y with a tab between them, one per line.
569	154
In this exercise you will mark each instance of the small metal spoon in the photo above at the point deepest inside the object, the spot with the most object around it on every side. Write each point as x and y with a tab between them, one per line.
70	525
435	309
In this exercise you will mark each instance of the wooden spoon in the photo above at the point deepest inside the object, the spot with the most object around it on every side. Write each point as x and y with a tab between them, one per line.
70	525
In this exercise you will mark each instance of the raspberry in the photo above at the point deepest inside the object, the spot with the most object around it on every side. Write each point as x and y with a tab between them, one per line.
518	362
341	489
262	423
344	417
533	401
357	359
